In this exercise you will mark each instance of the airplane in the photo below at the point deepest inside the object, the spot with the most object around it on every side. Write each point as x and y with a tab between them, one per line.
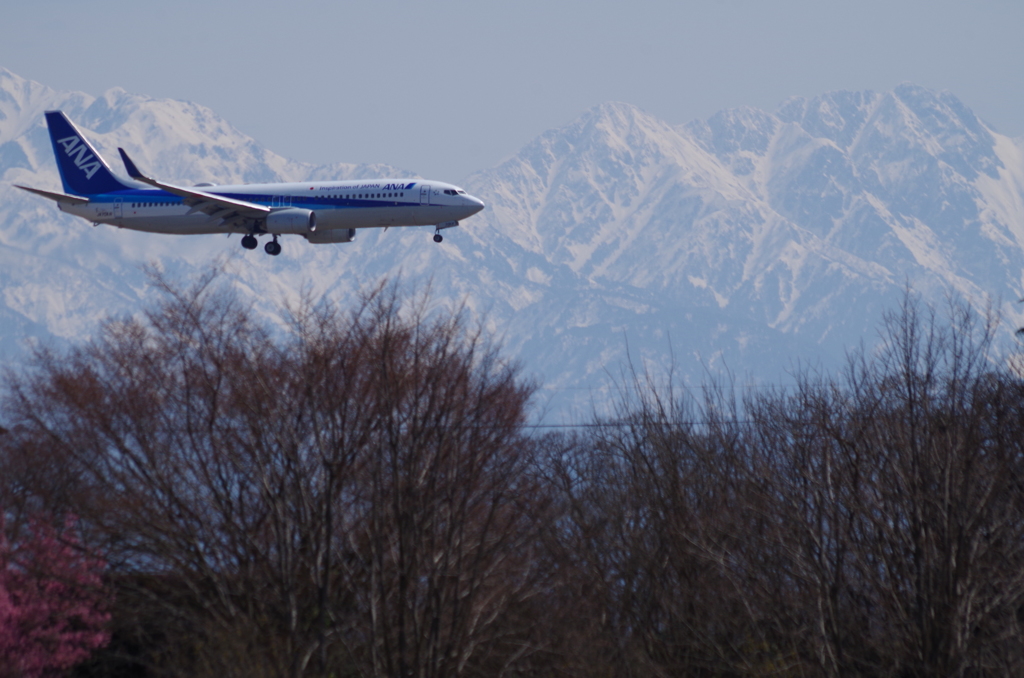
322	212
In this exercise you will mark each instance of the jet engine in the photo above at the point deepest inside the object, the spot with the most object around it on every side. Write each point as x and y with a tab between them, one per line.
333	236
291	220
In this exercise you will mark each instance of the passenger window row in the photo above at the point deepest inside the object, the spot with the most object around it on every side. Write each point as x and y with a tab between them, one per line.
370	196
360	196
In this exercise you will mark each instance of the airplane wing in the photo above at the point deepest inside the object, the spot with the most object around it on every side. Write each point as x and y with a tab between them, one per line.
59	197
232	212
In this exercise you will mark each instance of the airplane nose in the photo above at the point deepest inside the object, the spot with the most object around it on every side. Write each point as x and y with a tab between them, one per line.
476	204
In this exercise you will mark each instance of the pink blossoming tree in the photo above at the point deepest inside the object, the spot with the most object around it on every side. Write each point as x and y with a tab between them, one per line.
53	605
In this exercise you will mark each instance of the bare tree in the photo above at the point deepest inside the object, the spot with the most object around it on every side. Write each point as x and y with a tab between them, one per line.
868	524
897	539
657	517
349	491
450	508
355	493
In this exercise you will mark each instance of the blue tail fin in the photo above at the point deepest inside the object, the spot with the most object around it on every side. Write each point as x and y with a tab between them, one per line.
82	170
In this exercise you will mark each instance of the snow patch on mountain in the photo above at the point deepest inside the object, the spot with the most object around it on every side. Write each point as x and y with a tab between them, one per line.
752	241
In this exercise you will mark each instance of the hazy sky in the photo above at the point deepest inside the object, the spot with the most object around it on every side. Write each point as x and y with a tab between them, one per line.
447	87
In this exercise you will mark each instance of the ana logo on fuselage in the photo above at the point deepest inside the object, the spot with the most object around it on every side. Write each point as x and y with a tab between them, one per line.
79	152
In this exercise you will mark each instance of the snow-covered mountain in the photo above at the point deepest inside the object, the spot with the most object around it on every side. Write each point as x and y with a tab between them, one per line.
752	241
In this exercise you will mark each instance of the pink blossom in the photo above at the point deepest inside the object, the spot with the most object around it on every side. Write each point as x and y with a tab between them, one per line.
53	604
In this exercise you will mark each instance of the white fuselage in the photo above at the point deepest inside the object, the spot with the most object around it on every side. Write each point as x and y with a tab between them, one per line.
337	205
322	212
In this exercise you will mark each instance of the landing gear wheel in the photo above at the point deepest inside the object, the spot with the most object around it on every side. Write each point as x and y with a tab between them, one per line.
249	242
438	237
272	248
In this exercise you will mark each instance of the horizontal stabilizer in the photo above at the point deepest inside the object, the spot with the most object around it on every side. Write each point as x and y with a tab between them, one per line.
58	197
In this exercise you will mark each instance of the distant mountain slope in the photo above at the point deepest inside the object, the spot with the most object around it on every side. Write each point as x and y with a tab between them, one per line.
58	274
751	240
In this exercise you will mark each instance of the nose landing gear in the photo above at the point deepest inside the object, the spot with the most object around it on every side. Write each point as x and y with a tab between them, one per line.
437	229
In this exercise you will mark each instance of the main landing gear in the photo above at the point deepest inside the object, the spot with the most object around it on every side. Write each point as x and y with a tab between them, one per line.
273	248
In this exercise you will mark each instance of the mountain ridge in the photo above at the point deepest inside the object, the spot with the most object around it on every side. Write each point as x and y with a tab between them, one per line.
749	240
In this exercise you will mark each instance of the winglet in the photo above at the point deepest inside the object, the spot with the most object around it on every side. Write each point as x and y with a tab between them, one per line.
129	166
